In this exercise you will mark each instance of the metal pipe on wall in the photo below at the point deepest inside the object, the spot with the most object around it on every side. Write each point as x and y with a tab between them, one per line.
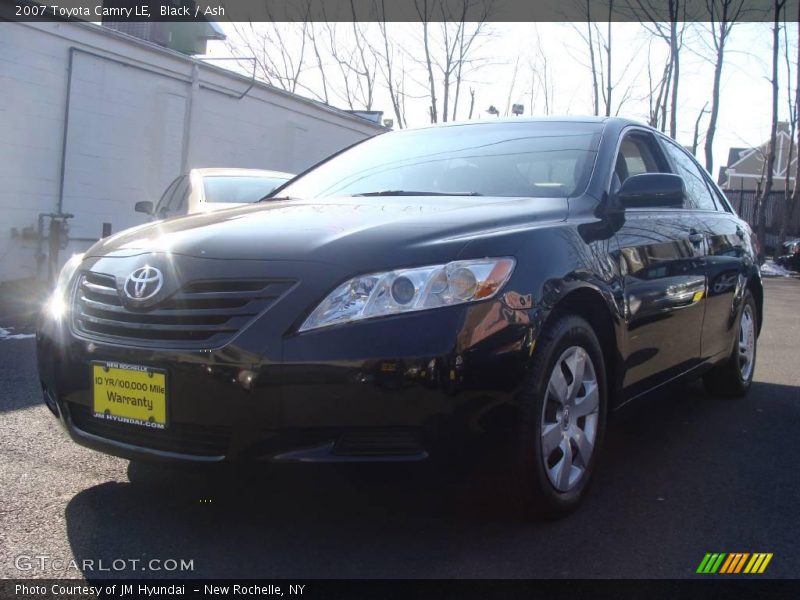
59	215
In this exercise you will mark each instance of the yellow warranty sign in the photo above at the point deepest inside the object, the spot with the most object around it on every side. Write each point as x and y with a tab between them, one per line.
130	394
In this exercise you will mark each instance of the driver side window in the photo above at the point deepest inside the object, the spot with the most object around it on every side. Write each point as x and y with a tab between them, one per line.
637	154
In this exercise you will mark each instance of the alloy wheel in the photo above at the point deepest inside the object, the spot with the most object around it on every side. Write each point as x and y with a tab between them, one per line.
747	342
570	414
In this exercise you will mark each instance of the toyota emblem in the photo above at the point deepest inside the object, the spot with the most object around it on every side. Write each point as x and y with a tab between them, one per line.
144	283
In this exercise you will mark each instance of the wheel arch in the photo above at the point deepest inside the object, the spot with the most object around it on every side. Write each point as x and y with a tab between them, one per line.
757	289
590	304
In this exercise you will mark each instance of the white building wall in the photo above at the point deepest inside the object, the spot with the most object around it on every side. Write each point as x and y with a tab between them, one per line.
131	130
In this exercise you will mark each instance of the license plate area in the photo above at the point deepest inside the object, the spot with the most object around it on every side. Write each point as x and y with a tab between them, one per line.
132	394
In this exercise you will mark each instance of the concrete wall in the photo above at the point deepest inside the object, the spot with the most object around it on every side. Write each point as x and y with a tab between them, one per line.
139	116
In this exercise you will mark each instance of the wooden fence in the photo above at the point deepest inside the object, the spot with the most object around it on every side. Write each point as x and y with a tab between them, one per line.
744	203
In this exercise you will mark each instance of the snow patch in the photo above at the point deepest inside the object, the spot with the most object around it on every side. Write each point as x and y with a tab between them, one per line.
5	334
770	269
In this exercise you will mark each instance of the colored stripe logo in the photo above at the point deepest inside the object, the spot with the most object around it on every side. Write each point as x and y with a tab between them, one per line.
735	562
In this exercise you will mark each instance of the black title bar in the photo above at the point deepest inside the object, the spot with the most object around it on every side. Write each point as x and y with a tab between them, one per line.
706	588
385	10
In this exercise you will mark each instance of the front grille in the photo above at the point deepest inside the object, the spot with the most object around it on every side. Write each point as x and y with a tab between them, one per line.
180	438
380	442
200	313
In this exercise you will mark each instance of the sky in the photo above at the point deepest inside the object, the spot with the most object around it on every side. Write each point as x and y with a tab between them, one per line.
745	110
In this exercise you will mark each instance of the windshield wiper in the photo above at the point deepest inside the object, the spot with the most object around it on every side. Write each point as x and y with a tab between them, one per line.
413	193
268	197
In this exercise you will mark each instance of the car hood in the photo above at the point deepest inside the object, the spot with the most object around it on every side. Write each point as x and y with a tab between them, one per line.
205	207
346	231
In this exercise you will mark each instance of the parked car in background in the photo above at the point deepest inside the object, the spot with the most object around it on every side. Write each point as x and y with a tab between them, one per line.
204	190
789	257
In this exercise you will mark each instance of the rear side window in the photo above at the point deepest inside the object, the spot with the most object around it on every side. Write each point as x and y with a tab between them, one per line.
698	195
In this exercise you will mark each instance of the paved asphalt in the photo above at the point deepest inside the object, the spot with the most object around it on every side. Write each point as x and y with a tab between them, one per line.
681	475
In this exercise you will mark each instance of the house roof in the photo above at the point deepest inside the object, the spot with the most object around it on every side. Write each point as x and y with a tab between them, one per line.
749	162
763	148
734	154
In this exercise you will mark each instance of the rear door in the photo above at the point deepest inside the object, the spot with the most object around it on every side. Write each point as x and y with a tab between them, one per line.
728	252
661	254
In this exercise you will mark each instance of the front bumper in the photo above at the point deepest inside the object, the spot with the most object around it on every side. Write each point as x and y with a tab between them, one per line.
399	388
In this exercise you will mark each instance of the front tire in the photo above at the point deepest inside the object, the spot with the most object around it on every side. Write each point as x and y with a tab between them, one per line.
734	377
562	420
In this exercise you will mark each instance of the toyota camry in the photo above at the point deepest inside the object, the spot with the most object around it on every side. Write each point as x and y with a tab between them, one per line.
419	289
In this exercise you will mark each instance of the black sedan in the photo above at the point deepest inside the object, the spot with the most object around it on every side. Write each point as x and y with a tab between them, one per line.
520	278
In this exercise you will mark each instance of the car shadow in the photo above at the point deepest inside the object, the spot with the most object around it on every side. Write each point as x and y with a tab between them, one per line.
666	462
265	519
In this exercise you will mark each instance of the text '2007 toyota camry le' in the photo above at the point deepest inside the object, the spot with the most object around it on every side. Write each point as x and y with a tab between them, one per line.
519	277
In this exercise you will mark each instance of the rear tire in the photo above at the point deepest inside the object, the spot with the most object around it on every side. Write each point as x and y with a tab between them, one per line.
562	421
734	377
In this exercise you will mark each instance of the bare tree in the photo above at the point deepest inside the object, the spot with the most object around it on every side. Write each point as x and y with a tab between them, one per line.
604	69
790	200
392	76
696	137
270	45
608	60
357	64
666	95
542	79
763	197
466	43
471	102
366	63
658	91
312	34
723	15
449	56
595	92
672	33
608	90
424	11
511	87
590	39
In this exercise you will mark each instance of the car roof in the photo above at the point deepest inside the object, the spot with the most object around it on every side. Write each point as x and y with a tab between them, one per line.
239	172
620	121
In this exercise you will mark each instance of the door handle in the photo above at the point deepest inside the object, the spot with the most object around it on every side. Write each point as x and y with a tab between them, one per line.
695	237
739	232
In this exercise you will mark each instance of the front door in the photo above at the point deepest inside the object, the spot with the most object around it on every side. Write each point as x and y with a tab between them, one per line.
661	254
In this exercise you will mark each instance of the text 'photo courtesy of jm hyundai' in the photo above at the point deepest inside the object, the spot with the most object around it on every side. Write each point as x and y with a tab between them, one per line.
519	277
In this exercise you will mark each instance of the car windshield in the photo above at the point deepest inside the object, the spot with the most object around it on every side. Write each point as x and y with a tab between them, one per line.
522	159
240	188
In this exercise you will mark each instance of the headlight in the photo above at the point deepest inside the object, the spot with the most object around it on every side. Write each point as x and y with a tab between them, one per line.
57	304
408	290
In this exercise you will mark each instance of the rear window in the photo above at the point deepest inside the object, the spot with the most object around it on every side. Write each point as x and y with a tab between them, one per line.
525	159
241	189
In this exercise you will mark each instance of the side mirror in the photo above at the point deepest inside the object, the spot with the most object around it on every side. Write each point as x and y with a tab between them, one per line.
145	206
652	190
